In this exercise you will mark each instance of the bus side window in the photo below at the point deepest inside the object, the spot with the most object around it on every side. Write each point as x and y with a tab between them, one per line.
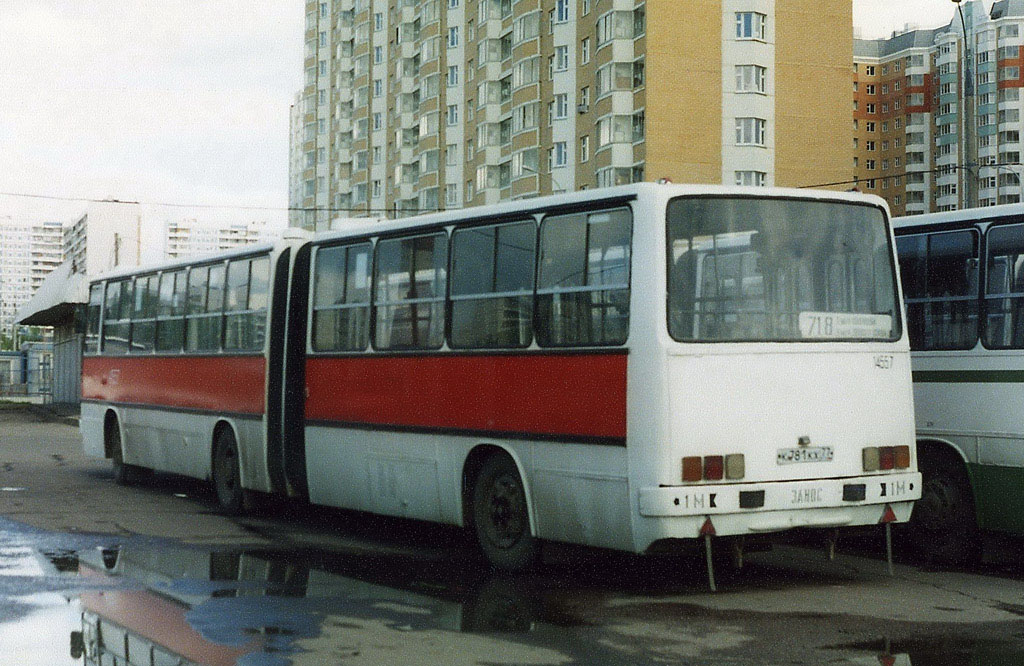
341	298
143	315
92	325
409	292
202	330
245	307
1004	289
170	309
583	288
117	317
492	286
940	286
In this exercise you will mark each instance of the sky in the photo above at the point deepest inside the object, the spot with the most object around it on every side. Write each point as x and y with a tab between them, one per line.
182	101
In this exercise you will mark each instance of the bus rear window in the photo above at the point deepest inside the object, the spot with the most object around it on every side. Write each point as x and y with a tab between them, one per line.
744	269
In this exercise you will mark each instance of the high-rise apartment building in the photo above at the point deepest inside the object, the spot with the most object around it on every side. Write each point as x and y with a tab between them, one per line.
418	105
937	126
29	251
189	237
107	236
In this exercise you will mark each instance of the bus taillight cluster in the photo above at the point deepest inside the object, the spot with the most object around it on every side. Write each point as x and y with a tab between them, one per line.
713	468
881	458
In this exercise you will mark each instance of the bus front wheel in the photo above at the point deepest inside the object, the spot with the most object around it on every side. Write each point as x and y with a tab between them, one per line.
500	516
227	475
943	524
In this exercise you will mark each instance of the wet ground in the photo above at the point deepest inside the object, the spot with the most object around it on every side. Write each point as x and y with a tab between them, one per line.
301	586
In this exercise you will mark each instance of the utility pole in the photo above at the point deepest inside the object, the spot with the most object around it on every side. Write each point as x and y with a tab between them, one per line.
969	120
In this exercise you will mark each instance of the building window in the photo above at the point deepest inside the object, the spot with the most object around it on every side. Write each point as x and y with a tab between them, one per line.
750	25
585	148
750	132
453	75
560	154
585	51
453	114
561	106
751	178
751	78
561	58
561	11
453	37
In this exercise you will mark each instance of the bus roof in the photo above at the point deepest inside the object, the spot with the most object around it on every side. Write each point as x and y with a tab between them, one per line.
211	257
623	192
968	215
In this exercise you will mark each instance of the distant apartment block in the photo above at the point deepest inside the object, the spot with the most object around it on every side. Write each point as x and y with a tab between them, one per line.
935	130
29	251
106	236
191	237
419	105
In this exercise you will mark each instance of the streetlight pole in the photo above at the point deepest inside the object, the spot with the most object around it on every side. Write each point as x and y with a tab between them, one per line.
968	121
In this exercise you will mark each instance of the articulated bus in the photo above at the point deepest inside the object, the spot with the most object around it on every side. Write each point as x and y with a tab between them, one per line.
621	368
963	274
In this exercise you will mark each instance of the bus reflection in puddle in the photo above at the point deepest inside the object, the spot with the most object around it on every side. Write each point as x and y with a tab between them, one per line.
196	607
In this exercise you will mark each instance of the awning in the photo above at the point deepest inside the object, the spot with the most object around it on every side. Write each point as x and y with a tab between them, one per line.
56	300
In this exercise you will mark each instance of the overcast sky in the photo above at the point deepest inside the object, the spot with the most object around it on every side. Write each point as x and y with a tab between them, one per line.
181	101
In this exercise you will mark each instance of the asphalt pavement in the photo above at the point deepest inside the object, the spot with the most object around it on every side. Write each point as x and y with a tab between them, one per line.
304	585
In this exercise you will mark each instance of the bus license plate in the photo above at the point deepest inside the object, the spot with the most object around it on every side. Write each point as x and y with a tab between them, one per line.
804	454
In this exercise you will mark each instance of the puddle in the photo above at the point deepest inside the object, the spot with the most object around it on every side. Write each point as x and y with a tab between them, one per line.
939	651
96	600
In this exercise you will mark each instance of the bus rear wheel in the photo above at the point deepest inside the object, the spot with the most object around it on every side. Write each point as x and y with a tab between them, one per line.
943	525
227	474
124	474
500	516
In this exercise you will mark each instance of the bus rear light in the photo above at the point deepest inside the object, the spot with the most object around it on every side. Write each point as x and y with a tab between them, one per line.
714	468
870	459
882	458
735	467
692	469
886	458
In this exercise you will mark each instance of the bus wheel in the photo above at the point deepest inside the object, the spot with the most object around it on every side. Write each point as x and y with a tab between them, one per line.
124	474
500	515
227	476
943	526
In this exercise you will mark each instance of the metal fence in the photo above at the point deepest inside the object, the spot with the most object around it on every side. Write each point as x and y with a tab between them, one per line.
33	385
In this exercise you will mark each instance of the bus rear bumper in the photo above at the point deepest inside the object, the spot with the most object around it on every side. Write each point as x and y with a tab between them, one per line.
752	508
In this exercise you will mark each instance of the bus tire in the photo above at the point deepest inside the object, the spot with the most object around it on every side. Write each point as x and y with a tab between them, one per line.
227	473
943	526
500	516
124	474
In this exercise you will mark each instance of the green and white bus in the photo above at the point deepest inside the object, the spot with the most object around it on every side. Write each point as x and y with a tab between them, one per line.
963	280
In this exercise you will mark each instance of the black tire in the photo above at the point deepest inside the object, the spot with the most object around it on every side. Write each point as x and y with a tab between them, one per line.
943	527
500	516
123	475
227	474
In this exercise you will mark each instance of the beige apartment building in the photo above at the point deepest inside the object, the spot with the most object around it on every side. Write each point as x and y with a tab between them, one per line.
419	105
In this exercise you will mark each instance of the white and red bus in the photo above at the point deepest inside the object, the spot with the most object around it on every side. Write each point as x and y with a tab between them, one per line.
619	368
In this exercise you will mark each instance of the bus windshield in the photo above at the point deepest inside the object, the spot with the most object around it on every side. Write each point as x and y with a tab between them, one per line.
777	270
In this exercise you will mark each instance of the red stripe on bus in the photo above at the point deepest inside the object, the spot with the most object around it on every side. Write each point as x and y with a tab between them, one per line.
232	384
577	395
